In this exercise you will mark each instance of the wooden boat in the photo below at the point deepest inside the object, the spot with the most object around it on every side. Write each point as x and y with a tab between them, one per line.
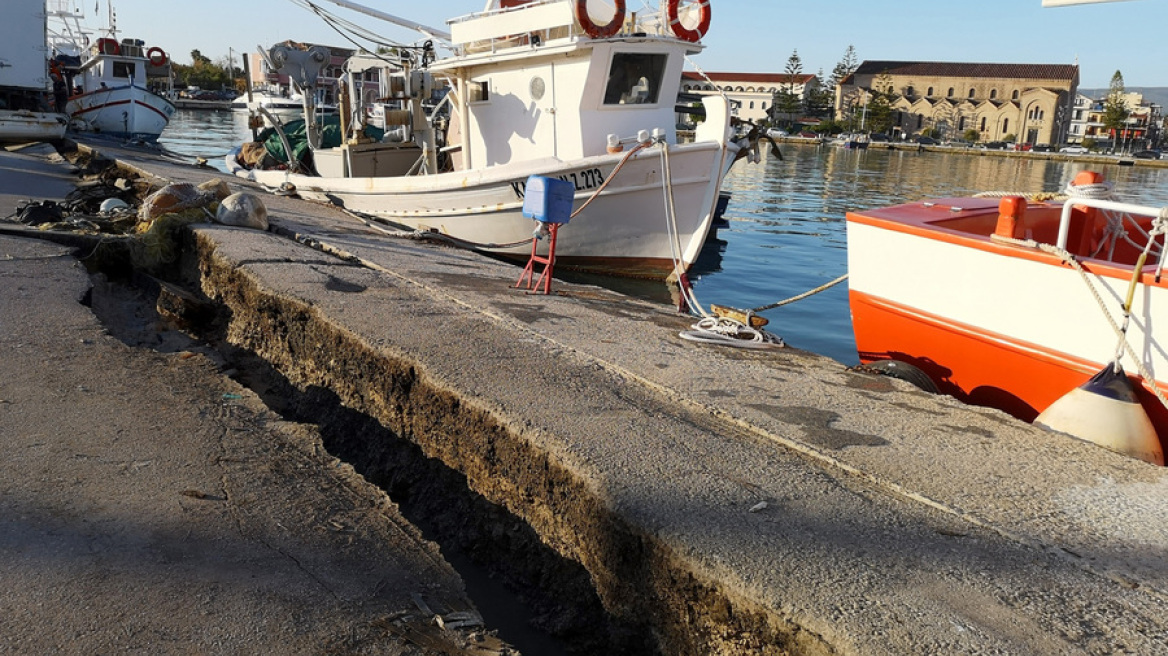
1011	304
117	87
537	88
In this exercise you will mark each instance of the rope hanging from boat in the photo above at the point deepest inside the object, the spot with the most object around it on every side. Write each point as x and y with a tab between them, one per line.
723	330
1160	226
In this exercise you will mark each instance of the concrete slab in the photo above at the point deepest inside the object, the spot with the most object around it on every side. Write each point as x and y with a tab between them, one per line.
150	504
743	502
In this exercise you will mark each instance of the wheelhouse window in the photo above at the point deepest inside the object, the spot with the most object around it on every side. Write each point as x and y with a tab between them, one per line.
124	69
635	79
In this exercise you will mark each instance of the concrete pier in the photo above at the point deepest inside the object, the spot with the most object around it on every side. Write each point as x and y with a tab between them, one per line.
725	501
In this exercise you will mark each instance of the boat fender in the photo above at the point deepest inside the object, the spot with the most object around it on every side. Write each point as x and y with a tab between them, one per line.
684	33
1105	410
901	370
600	31
157	56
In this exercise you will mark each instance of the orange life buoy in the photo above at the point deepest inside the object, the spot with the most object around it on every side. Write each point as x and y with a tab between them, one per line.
600	31
157	56
108	47
683	32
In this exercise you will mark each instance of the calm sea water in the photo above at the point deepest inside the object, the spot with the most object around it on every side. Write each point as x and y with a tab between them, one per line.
786	233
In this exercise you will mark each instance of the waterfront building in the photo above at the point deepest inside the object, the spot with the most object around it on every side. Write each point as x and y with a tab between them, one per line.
1023	103
752	94
1141	129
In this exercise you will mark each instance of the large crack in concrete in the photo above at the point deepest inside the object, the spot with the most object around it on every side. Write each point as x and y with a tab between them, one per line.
655	601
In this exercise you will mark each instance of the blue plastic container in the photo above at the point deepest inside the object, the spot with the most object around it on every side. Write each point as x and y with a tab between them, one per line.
548	200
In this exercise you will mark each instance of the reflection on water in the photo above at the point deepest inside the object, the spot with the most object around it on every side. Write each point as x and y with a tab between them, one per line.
786	233
209	134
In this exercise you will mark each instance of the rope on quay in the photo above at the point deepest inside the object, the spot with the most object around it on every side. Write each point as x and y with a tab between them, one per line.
743	328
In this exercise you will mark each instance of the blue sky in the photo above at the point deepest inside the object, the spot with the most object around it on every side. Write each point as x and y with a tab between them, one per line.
746	35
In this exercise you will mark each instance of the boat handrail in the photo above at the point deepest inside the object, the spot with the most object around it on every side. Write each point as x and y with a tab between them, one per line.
1099	203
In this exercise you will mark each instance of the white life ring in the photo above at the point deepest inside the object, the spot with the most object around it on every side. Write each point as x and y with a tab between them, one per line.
600	31
683	32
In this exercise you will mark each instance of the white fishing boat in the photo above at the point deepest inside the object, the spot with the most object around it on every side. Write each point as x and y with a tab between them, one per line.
1025	302
25	86
283	104
117	88
569	89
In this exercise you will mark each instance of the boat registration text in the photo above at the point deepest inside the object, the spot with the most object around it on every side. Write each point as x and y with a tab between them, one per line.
583	181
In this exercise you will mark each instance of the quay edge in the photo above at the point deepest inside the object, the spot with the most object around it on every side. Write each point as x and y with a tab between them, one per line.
894	522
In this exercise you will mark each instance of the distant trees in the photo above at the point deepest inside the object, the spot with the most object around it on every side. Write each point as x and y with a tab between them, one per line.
206	74
1115	110
820	98
788	102
846	66
874	113
842	71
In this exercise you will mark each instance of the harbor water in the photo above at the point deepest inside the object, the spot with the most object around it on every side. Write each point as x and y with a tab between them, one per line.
786	231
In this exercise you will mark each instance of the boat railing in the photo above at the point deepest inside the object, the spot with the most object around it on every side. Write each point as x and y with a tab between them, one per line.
1158	213
533	23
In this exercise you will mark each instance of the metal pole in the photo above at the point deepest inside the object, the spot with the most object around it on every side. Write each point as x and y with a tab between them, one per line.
389	18
247	85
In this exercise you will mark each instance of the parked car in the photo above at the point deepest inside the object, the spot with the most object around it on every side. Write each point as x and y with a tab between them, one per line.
775	133
1074	150
1043	148
878	136
996	145
927	141
1146	154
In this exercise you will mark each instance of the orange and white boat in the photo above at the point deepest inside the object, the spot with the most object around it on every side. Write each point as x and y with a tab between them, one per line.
1011	304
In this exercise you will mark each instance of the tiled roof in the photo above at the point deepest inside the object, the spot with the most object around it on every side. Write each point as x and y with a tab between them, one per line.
751	78
966	70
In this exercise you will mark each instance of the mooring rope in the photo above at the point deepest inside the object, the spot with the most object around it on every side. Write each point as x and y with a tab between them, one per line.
1120	332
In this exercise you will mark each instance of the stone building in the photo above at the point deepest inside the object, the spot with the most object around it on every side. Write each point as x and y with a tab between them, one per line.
1003	102
752	93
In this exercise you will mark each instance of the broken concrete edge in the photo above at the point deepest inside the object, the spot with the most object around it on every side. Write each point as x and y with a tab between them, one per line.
639	578
822	457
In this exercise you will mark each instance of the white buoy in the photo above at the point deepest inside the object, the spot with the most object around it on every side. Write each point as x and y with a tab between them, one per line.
1104	410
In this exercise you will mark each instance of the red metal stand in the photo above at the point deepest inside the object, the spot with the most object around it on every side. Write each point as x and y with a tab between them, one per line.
549	261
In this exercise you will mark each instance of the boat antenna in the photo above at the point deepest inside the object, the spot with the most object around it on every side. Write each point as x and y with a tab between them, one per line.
429	32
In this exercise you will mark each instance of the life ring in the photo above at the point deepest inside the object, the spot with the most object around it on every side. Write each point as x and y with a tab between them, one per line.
600	31
157	56
683	32
108	47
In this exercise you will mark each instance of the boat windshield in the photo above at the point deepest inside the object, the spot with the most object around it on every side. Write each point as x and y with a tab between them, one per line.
123	69
634	79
